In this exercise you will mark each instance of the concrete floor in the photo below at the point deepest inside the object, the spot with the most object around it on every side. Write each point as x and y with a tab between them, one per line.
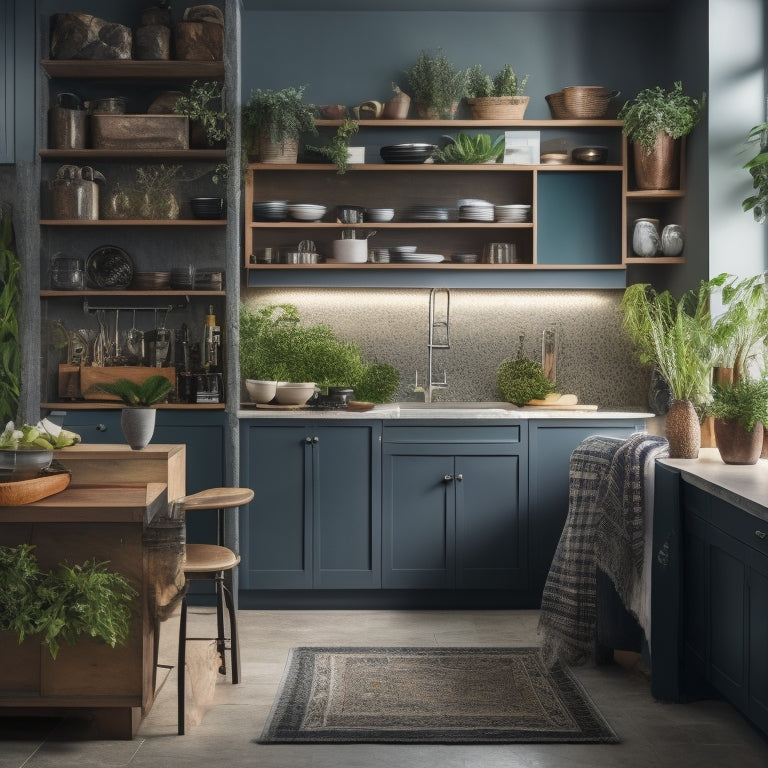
653	735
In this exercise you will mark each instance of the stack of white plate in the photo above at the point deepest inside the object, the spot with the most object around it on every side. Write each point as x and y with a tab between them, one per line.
418	258
306	211
378	256
427	213
513	213
396	250
465	258
379	214
476	212
270	210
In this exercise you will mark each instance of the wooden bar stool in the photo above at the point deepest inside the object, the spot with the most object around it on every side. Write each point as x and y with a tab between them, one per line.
212	562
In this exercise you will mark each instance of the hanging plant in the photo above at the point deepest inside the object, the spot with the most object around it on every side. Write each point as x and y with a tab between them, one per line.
758	169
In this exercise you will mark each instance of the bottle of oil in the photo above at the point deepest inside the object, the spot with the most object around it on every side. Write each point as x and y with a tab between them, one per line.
211	346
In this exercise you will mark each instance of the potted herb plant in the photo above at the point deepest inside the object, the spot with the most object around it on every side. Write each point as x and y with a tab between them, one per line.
338	151
674	336
138	416
497	98
274	121
740	410
465	149
436	85
203	105
654	122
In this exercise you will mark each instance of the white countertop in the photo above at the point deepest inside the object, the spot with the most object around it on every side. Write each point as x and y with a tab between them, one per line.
442	410
743	485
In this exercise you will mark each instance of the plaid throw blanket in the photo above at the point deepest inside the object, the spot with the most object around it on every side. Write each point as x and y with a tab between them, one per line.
606	480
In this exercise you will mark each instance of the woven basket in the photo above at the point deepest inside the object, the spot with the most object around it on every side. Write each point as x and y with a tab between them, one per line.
580	102
498	107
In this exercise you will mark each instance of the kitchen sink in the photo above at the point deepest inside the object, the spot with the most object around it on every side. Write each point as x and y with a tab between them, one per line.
455	409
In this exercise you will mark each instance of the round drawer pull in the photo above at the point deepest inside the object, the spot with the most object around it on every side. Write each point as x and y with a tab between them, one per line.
101	427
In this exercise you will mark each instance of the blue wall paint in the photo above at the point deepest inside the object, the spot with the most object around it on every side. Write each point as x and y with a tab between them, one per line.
352	57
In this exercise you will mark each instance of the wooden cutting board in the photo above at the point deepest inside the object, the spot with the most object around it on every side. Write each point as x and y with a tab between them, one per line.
19	492
561	402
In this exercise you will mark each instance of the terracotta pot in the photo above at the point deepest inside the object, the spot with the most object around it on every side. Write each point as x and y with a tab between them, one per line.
683	430
736	445
659	168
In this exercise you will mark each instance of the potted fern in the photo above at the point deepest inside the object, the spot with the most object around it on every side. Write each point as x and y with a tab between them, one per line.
138	416
497	98
740	409
203	105
654	122
436	85
273	123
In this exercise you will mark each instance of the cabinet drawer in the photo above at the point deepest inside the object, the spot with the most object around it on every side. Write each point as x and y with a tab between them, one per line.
480	435
746	528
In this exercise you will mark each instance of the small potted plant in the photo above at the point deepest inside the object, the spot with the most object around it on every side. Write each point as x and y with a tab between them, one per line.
203	105
654	122
138	416
436	85
740	409
339	151
466	150
274	121
498	98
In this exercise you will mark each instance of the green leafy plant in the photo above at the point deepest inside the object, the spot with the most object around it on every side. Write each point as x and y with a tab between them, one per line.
520	379
437	83
277	116
133	394
465	149
505	83
743	324
378	384
758	169
10	347
337	151
656	110
745	401
65	603
203	104
276	346
673	335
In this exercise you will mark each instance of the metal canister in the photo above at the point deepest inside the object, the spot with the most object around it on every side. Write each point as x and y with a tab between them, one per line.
75	193
67	122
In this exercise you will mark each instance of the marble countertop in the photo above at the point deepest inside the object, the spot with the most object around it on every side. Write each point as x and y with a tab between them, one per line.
744	486
443	411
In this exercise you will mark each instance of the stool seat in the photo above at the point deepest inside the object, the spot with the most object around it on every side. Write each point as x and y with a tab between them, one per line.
204	558
217	498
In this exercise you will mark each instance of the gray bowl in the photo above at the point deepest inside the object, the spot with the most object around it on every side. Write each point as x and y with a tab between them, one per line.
23	463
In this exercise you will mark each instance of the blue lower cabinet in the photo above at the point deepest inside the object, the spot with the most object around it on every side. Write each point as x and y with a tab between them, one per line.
315	520
551	443
454	511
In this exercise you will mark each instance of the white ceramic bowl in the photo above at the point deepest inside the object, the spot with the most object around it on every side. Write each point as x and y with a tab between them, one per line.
261	391
380	214
306	211
350	251
289	393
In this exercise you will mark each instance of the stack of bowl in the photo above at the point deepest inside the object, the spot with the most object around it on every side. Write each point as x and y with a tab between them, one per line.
151	281
306	211
270	210
380	214
407	153
207	207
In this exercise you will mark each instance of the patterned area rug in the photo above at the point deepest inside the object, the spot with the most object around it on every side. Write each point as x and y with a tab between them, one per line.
430	696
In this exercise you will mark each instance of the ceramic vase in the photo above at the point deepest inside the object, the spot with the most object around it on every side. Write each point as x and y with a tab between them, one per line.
658	168
645	238
138	426
683	430
672	240
736	444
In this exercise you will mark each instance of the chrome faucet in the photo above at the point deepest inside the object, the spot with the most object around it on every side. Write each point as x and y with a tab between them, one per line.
436	340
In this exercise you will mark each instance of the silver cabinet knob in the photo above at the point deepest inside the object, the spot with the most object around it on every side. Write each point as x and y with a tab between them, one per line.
459	477
447	478
760	534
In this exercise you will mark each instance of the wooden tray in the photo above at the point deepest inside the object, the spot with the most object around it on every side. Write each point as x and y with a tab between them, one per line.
19	492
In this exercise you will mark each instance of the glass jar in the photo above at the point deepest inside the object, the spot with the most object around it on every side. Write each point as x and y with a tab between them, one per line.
66	273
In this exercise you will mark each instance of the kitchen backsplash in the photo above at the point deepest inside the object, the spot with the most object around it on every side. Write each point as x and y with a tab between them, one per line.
594	358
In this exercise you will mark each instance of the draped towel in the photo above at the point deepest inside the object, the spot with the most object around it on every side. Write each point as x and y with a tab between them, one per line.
606	494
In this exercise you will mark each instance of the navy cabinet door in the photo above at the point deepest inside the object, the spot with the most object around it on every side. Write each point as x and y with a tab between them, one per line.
346	462
491	523
758	641
315	519
551	444
419	522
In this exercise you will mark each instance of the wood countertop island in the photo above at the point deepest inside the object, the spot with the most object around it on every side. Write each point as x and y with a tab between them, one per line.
127	522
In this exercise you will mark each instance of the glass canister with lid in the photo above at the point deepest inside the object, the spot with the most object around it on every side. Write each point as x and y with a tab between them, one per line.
66	273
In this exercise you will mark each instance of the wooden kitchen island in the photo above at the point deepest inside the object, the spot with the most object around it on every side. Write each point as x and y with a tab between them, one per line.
116	509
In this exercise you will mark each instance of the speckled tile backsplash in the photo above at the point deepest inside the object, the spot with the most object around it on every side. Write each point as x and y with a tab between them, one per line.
594	360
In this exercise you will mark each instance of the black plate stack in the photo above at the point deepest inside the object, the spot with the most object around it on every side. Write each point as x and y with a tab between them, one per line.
407	153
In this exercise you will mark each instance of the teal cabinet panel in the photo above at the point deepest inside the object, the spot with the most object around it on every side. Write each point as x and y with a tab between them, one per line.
315	520
550	445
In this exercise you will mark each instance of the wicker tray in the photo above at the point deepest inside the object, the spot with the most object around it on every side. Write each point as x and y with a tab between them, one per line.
52	480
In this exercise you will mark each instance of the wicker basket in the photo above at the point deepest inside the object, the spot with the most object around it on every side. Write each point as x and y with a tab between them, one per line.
498	107
580	102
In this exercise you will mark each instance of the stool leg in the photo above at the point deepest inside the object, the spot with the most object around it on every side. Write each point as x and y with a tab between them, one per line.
234	639
182	664
221	640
